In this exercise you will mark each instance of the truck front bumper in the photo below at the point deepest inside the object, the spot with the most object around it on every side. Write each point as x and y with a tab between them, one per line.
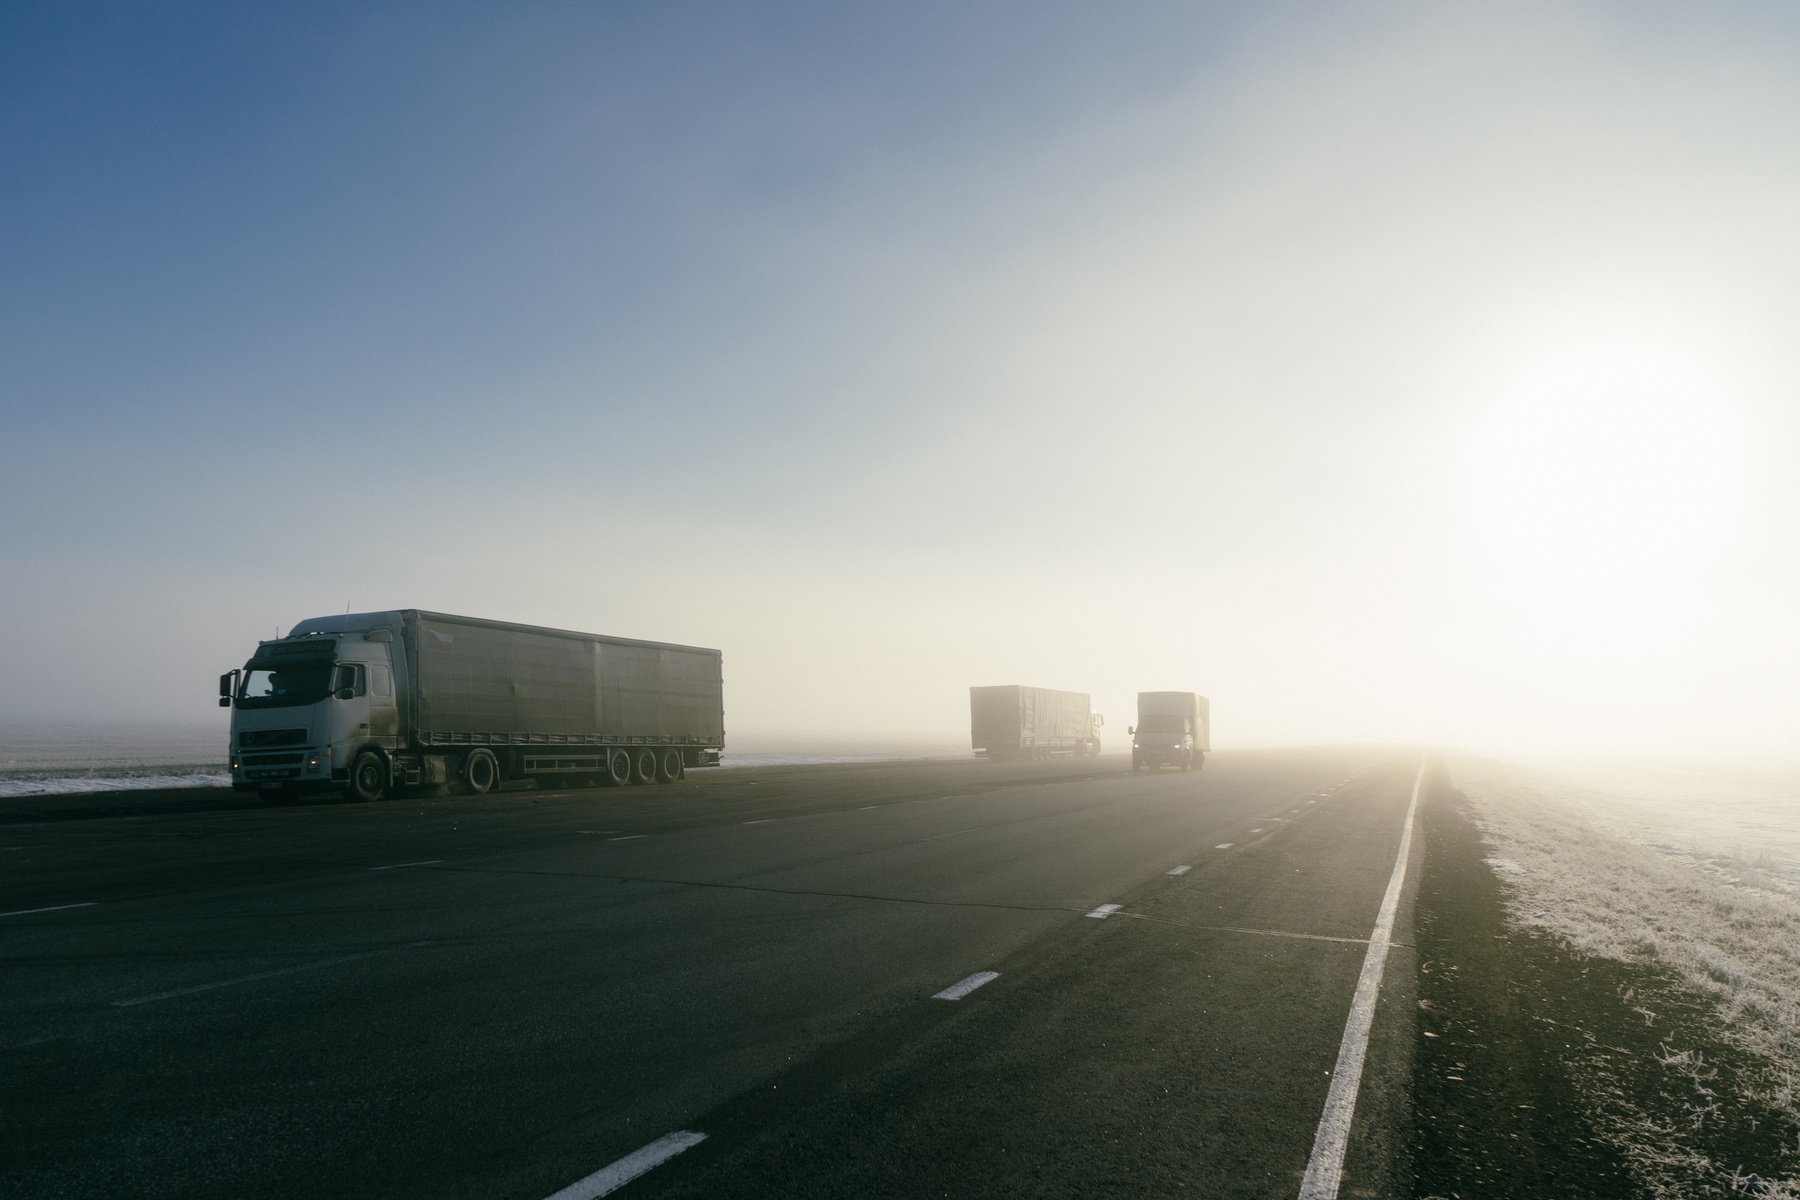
308	769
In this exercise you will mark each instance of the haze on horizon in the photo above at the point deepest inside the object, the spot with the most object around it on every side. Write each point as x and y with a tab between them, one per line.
1385	372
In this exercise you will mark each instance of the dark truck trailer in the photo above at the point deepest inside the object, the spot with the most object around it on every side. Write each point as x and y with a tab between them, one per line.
1009	721
372	701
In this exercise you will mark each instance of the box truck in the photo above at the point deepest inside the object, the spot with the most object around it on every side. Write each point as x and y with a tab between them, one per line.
370	702
1009	721
1173	729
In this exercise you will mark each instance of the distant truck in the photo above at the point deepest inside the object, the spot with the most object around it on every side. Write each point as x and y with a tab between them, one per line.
371	702
1009	721
1173	729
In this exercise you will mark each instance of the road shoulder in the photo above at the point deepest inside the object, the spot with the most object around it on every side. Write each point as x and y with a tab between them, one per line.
1545	1072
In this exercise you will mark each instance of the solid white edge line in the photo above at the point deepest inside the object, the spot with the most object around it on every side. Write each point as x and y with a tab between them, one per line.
1105	911
616	1175
21	912
1179	870
1325	1169
963	987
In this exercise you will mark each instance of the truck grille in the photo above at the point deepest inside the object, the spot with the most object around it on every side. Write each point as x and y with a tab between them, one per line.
271	737
270	760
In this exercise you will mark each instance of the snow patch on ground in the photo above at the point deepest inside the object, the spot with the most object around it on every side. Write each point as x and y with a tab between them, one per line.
1644	878
78	785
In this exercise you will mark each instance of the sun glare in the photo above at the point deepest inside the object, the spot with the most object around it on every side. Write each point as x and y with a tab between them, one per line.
1605	470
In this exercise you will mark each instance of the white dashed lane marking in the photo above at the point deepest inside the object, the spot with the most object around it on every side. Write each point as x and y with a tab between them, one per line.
629	838
1224	845
616	1175
961	988
429	862
1105	911
1180	870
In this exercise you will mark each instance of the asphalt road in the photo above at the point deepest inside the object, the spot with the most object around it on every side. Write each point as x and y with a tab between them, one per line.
501	996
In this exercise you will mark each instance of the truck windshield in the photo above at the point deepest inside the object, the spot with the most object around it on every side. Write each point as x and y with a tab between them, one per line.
292	683
1162	723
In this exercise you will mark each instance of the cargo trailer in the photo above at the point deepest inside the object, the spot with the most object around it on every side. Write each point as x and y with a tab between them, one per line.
1009	721
371	702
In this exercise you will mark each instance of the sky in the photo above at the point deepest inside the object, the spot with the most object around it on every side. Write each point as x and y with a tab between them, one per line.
1387	373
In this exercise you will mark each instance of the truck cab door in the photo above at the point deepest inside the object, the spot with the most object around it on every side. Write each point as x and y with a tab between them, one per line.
384	716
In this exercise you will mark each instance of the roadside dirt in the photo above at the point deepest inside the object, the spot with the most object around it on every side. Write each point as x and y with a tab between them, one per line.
1543	1072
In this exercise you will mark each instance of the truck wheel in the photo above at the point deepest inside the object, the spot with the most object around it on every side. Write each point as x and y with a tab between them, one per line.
368	777
669	767
643	766
481	772
618	769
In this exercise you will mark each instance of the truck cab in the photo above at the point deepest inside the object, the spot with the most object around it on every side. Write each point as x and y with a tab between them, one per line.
1174	729
1162	739
305	708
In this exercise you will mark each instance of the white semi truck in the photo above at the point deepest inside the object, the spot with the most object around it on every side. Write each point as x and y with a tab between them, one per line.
370	702
1173	729
1008	721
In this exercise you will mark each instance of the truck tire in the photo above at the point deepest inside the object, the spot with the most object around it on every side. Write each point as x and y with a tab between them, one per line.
368	777
643	765
481	772
618	769
669	768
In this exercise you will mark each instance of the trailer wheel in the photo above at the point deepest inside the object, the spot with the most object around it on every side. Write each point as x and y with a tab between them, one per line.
669	768
618	769
481	772
643	766
368	777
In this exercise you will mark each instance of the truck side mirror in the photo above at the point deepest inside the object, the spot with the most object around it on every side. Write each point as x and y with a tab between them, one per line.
1131	729
227	683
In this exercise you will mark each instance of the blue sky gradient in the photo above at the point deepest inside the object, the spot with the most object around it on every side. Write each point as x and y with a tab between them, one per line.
1104	348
